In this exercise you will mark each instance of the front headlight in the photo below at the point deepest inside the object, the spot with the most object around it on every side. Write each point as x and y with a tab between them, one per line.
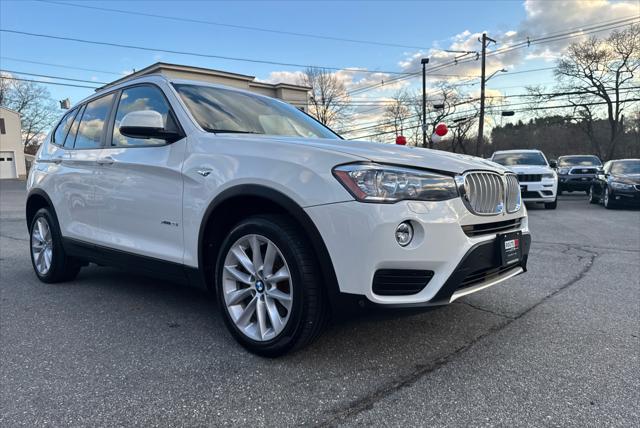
549	175
563	171
621	186
370	182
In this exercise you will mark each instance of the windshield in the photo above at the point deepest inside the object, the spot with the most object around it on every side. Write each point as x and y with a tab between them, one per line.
579	161
522	158
227	111
627	167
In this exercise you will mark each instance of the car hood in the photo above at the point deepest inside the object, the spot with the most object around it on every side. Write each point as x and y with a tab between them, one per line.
393	154
626	178
530	169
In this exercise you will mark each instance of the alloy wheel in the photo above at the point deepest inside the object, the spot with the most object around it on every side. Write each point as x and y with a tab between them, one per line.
42	246
257	287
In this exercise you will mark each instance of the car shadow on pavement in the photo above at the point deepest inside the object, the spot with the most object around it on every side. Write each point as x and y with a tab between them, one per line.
360	334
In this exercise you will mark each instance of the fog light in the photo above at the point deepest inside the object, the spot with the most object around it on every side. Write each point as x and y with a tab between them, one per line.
404	233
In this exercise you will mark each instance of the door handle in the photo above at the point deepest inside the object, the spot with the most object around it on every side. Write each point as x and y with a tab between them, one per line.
107	160
57	160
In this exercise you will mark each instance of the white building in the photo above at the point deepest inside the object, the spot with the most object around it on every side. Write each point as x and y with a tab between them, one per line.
12	163
293	94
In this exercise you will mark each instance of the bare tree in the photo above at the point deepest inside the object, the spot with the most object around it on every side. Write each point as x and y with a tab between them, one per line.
37	109
396	114
329	100
442	106
462	132
601	72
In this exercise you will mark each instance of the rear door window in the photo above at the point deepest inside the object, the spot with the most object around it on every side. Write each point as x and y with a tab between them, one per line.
93	122
62	130
73	131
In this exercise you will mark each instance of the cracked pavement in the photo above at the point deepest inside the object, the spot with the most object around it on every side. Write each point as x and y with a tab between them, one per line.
555	346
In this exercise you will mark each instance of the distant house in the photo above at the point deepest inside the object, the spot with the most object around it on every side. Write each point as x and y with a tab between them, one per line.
292	94
12	163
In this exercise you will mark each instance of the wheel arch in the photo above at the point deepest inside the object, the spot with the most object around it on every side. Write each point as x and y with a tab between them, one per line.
37	199
244	200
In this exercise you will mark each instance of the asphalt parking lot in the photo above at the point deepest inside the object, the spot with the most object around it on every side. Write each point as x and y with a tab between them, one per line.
557	346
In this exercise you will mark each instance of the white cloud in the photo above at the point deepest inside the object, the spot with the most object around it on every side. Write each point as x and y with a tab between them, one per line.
542	18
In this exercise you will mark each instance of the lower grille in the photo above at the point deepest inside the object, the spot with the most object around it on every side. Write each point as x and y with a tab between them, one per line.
583	171
491	228
400	282
529	194
528	178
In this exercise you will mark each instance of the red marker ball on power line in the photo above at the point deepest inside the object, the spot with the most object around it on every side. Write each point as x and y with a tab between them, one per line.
441	130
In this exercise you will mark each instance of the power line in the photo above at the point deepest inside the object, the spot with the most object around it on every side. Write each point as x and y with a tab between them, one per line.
517	111
53	77
197	54
236	26
491	108
48	83
59	65
525	43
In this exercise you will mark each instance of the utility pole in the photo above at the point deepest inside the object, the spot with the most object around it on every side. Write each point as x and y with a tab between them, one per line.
480	140
424	62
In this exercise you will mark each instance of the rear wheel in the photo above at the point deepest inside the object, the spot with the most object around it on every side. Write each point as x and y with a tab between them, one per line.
269	287
49	260
593	199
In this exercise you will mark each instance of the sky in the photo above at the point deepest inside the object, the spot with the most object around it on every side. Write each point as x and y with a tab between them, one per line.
397	35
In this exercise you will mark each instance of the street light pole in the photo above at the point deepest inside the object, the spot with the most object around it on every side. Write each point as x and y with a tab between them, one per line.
424	62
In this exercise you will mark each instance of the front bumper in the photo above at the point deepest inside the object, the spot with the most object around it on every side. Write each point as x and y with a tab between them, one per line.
360	239
626	197
575	181
539	191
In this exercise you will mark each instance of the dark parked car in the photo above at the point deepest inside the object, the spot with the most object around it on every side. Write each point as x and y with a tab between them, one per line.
576	172
618	183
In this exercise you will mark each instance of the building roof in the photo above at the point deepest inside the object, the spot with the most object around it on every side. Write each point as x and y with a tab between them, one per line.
9	110
158	67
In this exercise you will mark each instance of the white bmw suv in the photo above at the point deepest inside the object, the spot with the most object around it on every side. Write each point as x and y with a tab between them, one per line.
250	197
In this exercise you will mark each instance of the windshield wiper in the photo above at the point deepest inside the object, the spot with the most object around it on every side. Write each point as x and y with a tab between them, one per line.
230	131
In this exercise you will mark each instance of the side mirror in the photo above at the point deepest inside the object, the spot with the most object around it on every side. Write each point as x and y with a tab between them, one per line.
553	163
146	124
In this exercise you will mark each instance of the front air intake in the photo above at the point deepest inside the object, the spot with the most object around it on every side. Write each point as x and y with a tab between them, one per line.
400	282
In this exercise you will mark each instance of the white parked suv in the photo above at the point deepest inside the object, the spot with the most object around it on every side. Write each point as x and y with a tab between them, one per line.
538	180
252	198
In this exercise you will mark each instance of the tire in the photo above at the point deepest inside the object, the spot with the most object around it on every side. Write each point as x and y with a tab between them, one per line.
51	264
606	200
551	205
285	325
593	199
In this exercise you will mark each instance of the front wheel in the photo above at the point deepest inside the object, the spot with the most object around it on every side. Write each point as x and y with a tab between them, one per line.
268	286
49	260
551	205
606	201
593	199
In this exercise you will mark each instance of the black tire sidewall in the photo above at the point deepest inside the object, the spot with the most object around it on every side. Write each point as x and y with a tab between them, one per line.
57	255
607	202
275	233
592	196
